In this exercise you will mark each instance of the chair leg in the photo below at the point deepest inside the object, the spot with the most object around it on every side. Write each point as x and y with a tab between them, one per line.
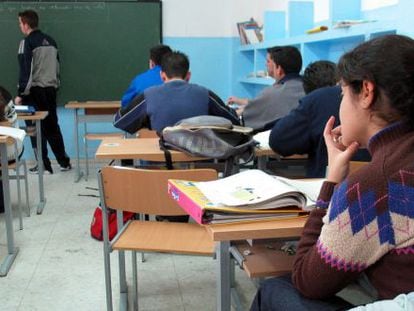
26	186
135	280
19	195
123	286
85	149
143	217
86	157
108	285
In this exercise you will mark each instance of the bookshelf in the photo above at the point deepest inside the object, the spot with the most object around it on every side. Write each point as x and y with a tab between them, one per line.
327	45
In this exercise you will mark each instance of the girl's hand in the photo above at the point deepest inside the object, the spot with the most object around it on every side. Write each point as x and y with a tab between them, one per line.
338	154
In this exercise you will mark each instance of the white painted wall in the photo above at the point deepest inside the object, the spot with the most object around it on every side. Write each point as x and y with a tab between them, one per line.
213	18
218	18
375	4
321	7
320	10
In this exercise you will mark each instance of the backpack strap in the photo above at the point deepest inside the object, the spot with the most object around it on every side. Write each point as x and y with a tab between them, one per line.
167	154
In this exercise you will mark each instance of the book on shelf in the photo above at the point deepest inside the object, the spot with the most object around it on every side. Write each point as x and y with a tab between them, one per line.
246	196
249	32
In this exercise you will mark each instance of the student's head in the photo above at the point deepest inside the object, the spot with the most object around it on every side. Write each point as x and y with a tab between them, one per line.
28	21
175	65
319	74
157	53
7	112
377	80
282	60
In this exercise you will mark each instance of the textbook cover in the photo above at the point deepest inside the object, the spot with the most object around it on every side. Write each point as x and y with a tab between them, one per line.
250	195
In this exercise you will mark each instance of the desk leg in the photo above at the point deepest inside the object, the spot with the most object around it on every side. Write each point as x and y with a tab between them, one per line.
223	276
78	170
261	162
42	199
11	250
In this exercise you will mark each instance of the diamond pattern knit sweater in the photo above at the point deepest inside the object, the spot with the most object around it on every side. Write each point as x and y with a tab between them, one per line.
368	226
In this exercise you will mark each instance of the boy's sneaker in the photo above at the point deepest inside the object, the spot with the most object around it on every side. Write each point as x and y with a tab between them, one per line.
66	168
35	170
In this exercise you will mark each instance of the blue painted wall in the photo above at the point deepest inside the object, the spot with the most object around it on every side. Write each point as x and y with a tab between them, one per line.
210	61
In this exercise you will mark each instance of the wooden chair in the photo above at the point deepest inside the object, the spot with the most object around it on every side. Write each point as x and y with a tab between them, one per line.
145	191
146	133
18	176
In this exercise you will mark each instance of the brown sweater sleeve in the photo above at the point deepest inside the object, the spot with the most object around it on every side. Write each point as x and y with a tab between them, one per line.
311	275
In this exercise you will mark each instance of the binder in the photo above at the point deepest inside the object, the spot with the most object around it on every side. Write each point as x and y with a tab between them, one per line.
195	203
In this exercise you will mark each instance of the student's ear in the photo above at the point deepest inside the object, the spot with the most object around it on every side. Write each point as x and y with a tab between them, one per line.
188	76
279	72
367	94
151	64
163	76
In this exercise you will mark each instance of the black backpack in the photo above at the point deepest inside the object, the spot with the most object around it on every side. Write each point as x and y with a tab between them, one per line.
210	137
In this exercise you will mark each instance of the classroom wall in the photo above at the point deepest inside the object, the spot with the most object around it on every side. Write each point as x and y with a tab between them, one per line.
206	31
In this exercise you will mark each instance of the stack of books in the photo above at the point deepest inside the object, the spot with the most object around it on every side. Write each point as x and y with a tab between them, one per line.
247	196
24	110
249	32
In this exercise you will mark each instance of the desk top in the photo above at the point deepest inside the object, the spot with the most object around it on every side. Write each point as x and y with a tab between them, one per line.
6	139
282	228
93	104
138	148
39	115
260	152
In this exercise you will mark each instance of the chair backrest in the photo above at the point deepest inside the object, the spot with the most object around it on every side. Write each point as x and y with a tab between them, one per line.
146	133
145	191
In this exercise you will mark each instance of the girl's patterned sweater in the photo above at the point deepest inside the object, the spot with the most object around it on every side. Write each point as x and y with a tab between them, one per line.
368	226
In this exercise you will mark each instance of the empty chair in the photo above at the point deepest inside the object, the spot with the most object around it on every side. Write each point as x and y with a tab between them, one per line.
145	191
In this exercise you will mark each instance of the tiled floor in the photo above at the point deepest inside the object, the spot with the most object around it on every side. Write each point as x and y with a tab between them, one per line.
60	267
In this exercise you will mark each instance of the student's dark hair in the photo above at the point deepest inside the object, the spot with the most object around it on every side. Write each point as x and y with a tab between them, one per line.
158	52
387	62
175	64
30	17
288	57
5	98
319	74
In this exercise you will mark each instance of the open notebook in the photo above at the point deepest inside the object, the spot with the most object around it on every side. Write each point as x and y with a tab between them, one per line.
249	195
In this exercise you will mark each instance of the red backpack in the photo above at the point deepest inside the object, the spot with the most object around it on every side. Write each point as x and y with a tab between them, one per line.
97	223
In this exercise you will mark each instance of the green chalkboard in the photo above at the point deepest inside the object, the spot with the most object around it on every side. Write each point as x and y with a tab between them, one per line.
102	45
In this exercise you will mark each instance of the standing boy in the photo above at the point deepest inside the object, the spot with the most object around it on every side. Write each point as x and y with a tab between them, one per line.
38	82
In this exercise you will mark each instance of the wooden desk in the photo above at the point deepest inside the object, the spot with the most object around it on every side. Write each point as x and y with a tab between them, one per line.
224	234
138	148
11	249
148	149
37	118
94	111
262	155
